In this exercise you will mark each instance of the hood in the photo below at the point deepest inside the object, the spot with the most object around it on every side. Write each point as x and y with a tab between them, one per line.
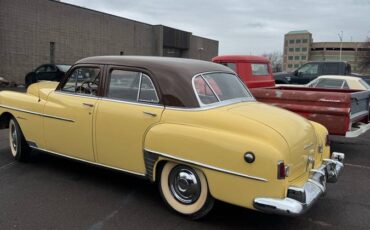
298	132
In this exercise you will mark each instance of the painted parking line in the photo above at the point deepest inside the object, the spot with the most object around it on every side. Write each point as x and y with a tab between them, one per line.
6	166
358	166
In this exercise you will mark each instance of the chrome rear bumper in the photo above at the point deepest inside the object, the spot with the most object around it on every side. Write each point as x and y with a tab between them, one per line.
299	200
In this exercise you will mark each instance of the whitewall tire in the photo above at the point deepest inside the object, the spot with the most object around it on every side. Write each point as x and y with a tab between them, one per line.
185	190
18	145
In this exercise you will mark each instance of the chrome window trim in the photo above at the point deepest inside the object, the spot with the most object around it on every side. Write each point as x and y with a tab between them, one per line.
219	103
36	113
209	85
208	166
132	102
76	94
155	90
86	161
78	67
138	88
106	98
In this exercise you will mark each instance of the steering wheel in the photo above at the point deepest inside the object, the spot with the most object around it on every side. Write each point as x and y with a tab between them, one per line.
88	87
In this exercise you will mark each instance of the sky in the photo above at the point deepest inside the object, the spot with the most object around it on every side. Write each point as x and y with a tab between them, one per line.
247	26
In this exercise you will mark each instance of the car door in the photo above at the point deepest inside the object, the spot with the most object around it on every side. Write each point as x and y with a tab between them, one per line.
124	115
69	110
307	73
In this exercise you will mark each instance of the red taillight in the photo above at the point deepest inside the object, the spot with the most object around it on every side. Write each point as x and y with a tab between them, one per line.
281	170
327	142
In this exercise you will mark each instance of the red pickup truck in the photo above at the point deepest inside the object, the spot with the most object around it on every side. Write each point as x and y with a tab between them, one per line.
342	112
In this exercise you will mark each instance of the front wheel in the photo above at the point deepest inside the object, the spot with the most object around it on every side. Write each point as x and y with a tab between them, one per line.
185	190
18	145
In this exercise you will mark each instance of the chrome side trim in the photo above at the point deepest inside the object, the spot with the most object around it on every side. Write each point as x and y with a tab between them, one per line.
207	166
36	113
212	106
86	161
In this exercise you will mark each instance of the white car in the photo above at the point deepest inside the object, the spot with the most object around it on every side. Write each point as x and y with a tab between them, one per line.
339	82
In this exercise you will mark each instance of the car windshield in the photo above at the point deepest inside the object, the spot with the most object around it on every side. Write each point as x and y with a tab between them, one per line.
217	87
64	68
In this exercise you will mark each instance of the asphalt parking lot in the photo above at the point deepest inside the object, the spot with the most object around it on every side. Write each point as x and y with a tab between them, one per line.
50	192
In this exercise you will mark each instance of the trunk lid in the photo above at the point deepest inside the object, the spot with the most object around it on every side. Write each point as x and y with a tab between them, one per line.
296	131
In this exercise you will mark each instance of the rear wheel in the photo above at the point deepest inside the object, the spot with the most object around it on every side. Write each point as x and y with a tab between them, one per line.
185	190
18	145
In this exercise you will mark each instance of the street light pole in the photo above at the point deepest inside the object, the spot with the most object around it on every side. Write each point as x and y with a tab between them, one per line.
200	52
340	35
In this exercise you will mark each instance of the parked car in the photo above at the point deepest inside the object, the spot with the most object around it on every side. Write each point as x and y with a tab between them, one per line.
311	71
162	119
344	113
46	72
339	82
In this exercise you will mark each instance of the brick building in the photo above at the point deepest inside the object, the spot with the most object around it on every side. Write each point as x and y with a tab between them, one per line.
34	32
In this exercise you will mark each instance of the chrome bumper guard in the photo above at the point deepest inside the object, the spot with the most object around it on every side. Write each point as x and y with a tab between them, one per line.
299	200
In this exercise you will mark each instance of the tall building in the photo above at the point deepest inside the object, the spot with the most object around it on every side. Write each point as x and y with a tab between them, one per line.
299	48
34	32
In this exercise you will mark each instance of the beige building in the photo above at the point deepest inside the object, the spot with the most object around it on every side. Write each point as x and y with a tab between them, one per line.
299	48
35	32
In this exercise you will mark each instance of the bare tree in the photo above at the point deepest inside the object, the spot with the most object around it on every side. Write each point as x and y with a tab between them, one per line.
276	60
365	57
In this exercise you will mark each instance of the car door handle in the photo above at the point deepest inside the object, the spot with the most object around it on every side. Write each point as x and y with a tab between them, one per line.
88	105
150	114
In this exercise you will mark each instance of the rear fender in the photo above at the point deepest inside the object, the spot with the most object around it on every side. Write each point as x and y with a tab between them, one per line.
220	156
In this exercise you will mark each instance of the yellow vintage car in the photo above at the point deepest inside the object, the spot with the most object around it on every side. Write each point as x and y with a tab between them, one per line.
190	126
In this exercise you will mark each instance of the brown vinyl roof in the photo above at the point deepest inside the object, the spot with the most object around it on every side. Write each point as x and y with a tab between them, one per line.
172	76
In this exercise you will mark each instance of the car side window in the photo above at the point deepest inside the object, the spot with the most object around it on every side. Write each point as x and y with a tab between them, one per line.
51	69
131	86
41	69
260	69
310	68
330	68
83	80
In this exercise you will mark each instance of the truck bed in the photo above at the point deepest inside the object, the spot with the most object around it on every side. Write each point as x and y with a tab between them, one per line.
342	112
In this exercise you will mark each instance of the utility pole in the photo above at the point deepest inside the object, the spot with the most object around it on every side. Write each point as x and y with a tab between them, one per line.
340	35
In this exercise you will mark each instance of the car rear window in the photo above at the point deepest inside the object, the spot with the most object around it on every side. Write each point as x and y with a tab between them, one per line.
331	84
366	85
217	87
260	69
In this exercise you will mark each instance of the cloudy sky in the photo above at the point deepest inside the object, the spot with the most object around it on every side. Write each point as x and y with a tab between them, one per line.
247	26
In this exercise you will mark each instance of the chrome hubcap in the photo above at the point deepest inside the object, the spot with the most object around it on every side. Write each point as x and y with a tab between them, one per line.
184	184
13	138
